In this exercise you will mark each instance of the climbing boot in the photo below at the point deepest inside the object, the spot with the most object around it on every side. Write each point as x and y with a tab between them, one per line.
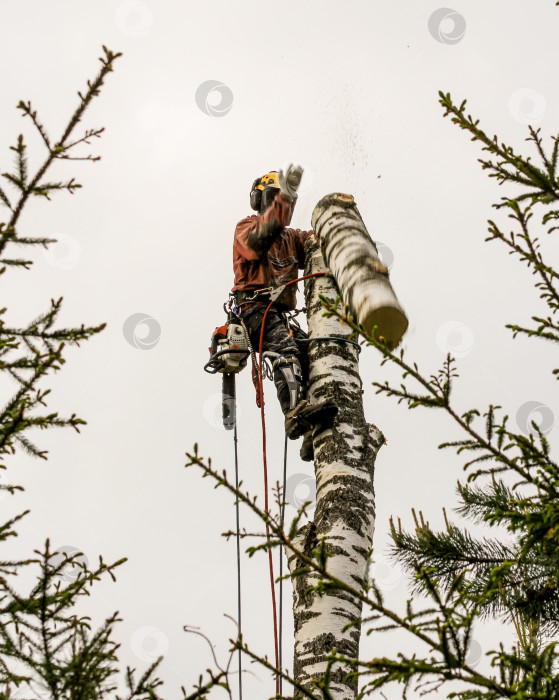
295	425
304	416
307	448
321	414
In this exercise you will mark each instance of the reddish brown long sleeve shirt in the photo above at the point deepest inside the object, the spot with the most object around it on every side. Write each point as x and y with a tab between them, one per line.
266	253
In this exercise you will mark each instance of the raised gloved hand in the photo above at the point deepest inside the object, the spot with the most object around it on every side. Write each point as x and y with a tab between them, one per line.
290	179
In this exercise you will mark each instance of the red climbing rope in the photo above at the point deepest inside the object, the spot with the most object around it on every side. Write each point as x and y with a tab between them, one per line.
261	392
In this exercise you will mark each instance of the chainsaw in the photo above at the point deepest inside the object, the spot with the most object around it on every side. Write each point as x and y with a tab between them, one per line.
229	352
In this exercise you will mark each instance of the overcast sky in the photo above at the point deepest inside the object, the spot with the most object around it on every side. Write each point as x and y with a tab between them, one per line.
348	89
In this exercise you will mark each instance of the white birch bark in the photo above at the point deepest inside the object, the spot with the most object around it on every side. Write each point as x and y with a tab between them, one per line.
353	259
345	510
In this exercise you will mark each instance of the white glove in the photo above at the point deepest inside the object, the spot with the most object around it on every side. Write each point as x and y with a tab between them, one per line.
290	179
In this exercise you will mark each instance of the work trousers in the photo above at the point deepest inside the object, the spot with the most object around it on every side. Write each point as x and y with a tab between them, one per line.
277	338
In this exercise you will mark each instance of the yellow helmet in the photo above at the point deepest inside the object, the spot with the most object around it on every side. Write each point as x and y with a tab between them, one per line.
270	179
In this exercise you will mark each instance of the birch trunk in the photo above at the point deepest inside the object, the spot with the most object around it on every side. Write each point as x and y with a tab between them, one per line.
353	259
345	510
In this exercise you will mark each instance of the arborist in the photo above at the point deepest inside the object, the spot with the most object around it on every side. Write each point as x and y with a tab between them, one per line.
266	255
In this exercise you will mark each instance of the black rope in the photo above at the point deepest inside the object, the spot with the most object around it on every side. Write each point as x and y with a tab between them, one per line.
330	337
281	563
238	555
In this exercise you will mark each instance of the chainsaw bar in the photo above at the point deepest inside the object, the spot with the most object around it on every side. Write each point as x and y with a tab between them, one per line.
229	408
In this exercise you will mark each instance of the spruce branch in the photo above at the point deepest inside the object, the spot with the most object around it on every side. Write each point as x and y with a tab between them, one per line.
61	146
509	166
413	623
28	111
45	646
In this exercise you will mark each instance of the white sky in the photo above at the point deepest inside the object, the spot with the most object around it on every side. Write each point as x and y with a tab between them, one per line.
350	91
